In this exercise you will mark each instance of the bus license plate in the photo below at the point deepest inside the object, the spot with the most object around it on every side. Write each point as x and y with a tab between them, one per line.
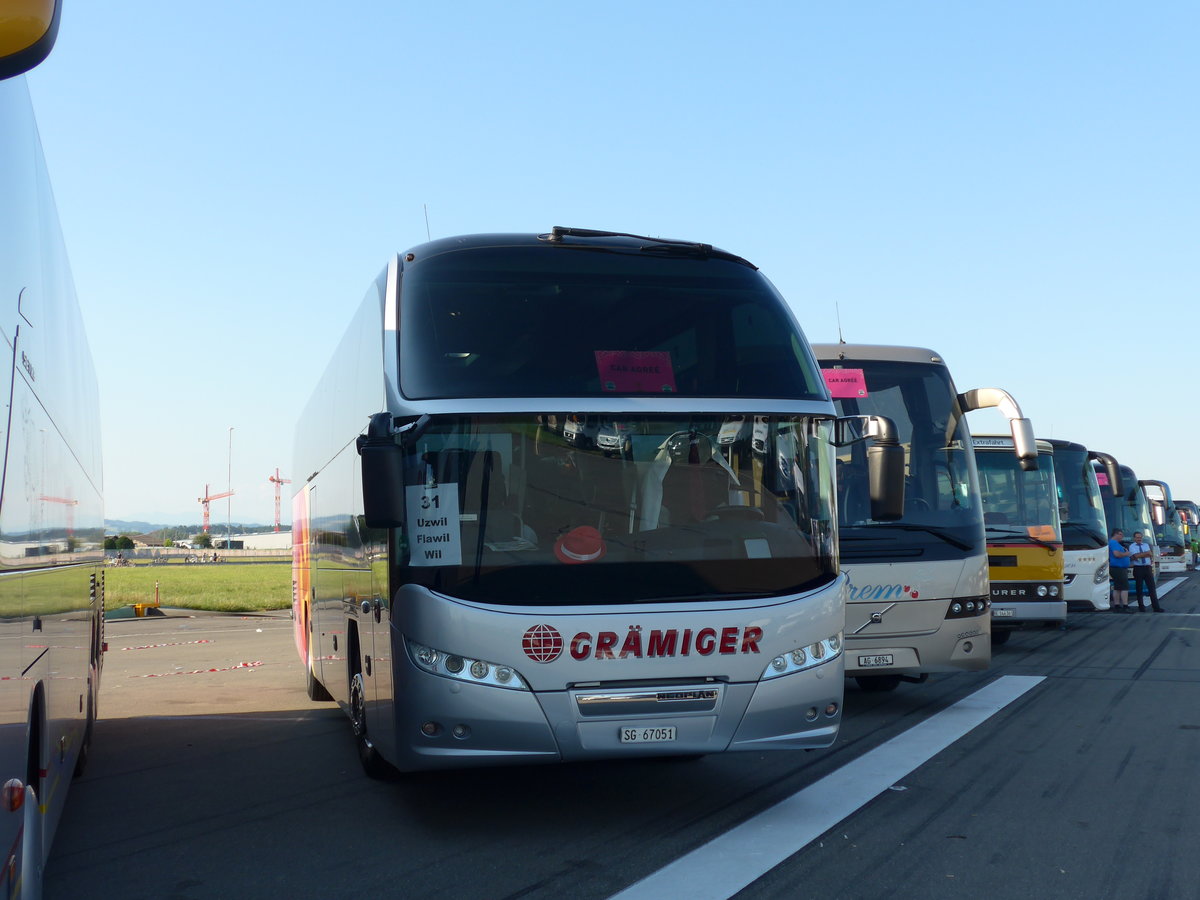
655	735
884	659
999	613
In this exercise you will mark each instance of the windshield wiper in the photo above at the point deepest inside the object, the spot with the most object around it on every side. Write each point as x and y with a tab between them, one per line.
1086	528
687	598
1022	533
928	529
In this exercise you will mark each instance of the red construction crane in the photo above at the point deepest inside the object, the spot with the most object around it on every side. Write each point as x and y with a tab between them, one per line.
277	481
70	505
209	498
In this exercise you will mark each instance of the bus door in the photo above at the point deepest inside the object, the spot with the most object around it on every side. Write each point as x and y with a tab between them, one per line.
367	585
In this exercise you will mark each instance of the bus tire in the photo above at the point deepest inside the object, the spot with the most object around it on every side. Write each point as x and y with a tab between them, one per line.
1000	637
878	683
85	747
312	684
373	764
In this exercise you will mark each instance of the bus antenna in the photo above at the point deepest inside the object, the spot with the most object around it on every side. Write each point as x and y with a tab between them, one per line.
425	206
838	311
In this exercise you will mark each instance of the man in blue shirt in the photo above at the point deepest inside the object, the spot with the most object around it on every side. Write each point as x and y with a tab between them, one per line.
1118	569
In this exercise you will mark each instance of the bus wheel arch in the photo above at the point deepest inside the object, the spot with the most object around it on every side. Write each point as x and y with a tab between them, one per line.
373	764
313	685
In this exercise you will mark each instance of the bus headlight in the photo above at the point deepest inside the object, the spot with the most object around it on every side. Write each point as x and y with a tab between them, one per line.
1041	590
464	668
1054	590
1101	575
807	657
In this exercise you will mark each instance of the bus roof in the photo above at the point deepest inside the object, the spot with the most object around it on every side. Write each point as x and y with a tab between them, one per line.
578	238
877	351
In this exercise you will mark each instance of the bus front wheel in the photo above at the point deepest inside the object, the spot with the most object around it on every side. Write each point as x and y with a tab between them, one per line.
1000	637
373	764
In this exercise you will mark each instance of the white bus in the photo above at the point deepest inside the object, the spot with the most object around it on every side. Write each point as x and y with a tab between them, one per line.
1084	526
1169	534
918	599
51	509
474	587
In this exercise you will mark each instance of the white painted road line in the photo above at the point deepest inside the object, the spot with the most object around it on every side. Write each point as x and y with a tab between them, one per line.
726	864
1170	586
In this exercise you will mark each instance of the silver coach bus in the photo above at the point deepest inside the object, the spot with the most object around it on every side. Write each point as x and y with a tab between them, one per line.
591	514
918	595
51	506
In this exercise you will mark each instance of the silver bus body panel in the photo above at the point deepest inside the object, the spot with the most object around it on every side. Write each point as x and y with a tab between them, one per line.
889	615
579	701
51	510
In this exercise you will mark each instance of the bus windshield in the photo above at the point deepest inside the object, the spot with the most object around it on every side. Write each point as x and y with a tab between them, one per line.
1018	504
572	509
1130	512
533	321
942	514
1080	505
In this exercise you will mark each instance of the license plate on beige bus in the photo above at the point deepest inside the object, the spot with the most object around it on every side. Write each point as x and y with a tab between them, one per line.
648	734
882	659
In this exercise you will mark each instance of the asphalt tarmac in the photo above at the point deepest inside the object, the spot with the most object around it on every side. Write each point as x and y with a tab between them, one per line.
213	775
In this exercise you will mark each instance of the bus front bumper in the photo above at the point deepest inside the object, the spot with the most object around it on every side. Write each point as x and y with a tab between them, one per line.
449	724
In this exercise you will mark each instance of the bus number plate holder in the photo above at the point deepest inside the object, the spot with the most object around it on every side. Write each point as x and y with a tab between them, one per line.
658	734
883	659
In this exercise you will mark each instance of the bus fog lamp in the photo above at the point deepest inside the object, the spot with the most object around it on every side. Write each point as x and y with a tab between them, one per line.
462	732
967	647
811	714
831	710
431	729
454	664
479	669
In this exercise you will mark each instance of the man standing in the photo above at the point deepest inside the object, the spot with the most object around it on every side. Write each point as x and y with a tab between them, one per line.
1143	571
1118	569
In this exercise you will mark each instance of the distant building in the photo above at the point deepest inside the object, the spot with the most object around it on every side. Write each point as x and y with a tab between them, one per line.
267	540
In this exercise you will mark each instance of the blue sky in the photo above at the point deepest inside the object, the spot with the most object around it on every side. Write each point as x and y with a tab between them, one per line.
1012	184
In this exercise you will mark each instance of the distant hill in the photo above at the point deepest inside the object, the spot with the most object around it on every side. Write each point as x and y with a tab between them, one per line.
125	526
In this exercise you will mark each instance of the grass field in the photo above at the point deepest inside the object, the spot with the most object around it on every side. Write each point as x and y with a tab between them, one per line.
226	587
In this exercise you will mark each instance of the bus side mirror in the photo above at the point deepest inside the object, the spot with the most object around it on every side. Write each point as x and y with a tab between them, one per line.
885	473
27	35
1111	469
1158	513
382	474
1025	444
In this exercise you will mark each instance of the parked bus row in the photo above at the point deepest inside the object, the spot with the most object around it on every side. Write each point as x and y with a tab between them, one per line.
586	494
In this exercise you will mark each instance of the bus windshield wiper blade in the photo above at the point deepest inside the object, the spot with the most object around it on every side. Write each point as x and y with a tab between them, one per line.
930	529
686	598
1086	528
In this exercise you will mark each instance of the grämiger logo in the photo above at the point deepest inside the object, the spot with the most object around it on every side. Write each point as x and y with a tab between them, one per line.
661	643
